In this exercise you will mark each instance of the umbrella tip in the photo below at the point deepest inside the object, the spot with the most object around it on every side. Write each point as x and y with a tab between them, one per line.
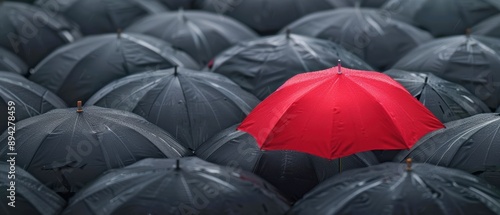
468	32
175	70
177	167
408	164
119	33
79	108
288	32
339	66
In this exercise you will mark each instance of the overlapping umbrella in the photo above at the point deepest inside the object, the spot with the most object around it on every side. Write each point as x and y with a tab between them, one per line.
11	63
177	4
489	27
261	66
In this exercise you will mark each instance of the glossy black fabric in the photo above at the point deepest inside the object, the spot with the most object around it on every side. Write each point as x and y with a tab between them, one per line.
392	189
471	144
471	61
191	105
293	173
77	71
443	17
159	186
29	99
368	33
202	35
489	27
103	16
32	33
447	101
11	63
261	66
32	197
65	149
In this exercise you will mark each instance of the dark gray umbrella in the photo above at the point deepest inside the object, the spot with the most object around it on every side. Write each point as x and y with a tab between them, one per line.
471	144
103	16
489	27
293	173
471	61
30	196
177	186
32	33
191	105
177	4
443	17
367	33
390	188
446	100
67	148
78	70
357	3
11	63
200	34
261	66
28	99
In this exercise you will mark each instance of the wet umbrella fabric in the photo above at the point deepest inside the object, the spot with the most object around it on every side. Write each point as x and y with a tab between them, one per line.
65	149
391	188
470	61
11	63
192	186
445	17
367	33
77	71
202	35
261	66
27	99
293	173
32	33
489	27
31	196
191	105
339	111
471	144
103	16
446	100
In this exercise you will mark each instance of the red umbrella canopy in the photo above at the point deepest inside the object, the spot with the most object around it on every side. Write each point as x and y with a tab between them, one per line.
338	112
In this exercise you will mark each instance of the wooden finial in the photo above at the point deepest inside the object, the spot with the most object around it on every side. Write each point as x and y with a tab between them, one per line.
408	164
79	107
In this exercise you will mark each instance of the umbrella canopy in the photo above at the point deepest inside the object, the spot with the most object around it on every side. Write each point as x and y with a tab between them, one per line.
191	105
78	70
182	186
339	112
32	33
28	99
367	33
489	27
11	63
444	17
393	188
103	16
66	148
446	100
200	34
261	66
471	144
293	173
357	3
30	196
177	4
470	61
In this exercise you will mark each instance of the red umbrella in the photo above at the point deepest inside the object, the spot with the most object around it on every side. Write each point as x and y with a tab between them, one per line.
338	112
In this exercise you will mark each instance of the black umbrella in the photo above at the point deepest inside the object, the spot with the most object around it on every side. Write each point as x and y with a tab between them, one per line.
293	173
177	4
444	17
11	63
32	33
357	3
66	148
471	144
191	105
26	194
489	27
78	70
367	33
447	101
263	65
471	61
202	35
103	16
22	99
391	188
182	186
